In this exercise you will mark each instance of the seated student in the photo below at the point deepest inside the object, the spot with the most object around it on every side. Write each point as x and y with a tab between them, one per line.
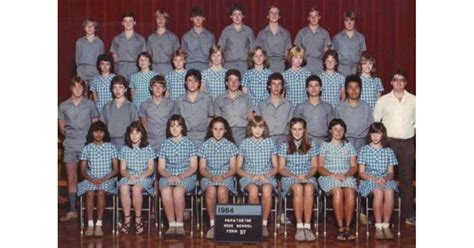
99	168
213	79
100	85
177	165
337	166
140	81
254	79
175	78
88	48
217	168
137	169
257	165
298	163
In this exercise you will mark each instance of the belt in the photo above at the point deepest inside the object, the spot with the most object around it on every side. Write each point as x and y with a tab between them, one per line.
402	140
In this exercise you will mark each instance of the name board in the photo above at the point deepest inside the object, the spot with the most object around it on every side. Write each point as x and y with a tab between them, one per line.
238	223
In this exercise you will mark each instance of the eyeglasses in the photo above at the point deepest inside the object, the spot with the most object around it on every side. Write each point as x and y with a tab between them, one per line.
399	80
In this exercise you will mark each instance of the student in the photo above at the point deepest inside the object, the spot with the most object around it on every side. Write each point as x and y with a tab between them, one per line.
314	40
161	44
213	79
88	48
316	112
254	79
298	163
118	113
197	42
127	46
376	161
296	76
100	85
75	116
257	164
356	113
349	45
175	78
137	169
236	39
177	165
333	82
371	85
337	166
275	109
155	112
140	81
274	39
217	168
195	107
99	168
235	106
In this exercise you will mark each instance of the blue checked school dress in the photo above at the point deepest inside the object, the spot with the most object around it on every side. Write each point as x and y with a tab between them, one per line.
376	161
99	163
370	87
257	156
295	85
256	83
215	82
178	158
331	87
136	160
175	82
140	83
217	155
337	160
101	86
297	164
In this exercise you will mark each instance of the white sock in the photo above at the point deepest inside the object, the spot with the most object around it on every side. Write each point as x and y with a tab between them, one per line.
265	222
172	224
378	225
98	223
90	223
307	226
211	222
385	225
179	224
299	225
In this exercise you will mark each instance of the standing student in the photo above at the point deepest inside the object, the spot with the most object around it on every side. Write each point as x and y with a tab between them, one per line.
177	165
349	44
75	116
236	39
314	40
197	42
88	48
99	168
257	164
235	106
137	169
255	78
316	112
140	81
195	107
161	44
337	166
356	113
275	109
127	46
298	163
333	82
372	86
376	162
217	165
118	113
100	85
175	78
296	76
274	39
213	79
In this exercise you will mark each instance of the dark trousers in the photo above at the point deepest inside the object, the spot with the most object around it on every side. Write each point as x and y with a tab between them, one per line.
405	152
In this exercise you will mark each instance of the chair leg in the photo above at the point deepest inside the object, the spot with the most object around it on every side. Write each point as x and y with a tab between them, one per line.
285	206
316	224
201	210
192	215
276	218
399	214
149	213
160	221
81	212
367	214
114	224
325	209
357	215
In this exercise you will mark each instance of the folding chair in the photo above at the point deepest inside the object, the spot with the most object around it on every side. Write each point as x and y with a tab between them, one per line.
147	209
397	208
112	208
273	211
188	195
326	208
286	209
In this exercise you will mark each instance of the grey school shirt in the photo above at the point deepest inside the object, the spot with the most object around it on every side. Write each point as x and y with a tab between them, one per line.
234	110
197	45
77	120
196	113
118	119
357	119
313	45
349	49
162	46
86	57
236	44
127	51
276	117
275	44
317	117
157	116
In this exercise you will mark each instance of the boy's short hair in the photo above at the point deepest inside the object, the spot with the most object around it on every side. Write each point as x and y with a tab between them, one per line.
192	73
233	72
107	58
215	49
352	78
314	8
197	11
91	20
349	14
162	13
296	51
399	71
273	77
78	80
271	7
118	79
128	14
236	6
148	56
313	78
158	79
333	54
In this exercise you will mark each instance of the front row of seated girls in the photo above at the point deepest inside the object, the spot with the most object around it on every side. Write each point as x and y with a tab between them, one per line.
257	162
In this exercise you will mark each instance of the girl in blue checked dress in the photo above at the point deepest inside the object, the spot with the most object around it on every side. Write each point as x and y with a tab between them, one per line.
376	161
254	81
257	165
175	78
177	164
295	77
298	163
213	79
100	85
372	86
137	168
140	81
337	166
217	165
99	167
332	81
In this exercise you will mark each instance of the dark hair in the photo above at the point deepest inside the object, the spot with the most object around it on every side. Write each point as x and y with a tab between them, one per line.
333	54
399	71
228	131
315	8
147	55
78	80
252	52
233	72
157	79
236	6
128	14
118	79
258	121
314	78
178	53
273	7
352	78
192	73
136	126
96	127
180	121
333	123
349	14
197	11
276	76
378	127
305	144
91	20
106	58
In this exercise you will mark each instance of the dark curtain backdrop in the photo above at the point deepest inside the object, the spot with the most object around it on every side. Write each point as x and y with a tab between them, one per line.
388	26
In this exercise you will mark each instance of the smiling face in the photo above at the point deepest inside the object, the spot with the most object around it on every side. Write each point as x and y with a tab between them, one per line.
233	83
349	24
314	88
192	84
297	61
353	90
376	138
135	137
367	67
89	28
98	136
257	131
276	87
77	90
273	15
128	23
237	17
218	130
118	90
161	21
258	57
216	58
158	89
144	63
104	66
198	21
337	132
178	62
330	63
176	129
297	131
399	83
314	18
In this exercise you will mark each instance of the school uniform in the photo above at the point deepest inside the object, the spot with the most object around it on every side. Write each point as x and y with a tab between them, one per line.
99	163
77	120
197	45
275	45
337	160
317	118
313	45
215	82
348	51
257	156
118	119
332	84
162	47
236	45
178	156
140	83
370	87
100	85
295	85
136	161
127	51
256	83
175	84
277	118
86	57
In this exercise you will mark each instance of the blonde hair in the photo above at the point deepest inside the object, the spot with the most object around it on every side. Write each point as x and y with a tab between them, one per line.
258	121
162	13
215	49
363	59
296	51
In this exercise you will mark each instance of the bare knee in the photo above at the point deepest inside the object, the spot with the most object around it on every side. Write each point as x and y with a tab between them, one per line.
297	189
211	192
267	190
